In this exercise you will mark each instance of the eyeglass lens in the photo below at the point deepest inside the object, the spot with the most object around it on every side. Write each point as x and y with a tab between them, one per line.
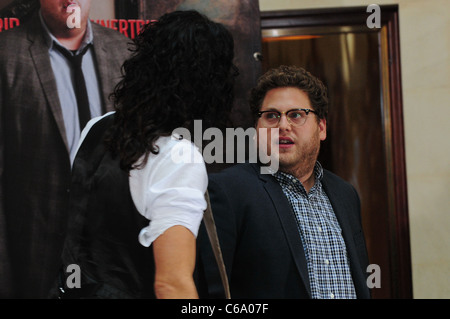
295	117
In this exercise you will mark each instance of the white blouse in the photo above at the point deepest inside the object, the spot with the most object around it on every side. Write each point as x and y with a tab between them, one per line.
169	190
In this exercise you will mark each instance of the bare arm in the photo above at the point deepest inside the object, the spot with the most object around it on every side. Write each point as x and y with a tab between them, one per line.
174	253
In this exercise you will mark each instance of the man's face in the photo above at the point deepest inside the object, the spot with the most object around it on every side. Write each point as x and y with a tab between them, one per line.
55	12
298	146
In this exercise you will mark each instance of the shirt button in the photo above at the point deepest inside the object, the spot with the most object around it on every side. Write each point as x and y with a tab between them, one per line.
319	228
332	295
326	261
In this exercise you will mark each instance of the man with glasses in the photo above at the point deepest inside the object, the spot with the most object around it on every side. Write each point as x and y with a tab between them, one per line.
295	233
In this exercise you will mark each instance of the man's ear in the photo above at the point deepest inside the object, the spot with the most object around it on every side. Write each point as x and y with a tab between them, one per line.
322	129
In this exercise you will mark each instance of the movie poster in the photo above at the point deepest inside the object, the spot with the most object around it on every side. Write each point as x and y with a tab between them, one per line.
35	172
240	16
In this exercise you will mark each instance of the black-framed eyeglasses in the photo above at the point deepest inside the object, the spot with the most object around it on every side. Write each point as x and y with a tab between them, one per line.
296	117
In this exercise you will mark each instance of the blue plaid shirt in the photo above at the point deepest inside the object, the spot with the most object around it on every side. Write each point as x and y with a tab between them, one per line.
324	246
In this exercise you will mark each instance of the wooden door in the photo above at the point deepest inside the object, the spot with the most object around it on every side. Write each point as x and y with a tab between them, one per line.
361	68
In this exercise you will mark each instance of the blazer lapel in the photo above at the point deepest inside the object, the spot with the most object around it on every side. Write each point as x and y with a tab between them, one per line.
41	59
341	210
104	62
288	223
339	206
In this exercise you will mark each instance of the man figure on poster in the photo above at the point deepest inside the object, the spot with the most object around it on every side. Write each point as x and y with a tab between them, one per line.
41	99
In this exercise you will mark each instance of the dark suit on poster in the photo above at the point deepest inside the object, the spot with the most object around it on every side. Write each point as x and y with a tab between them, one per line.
260	241
34	157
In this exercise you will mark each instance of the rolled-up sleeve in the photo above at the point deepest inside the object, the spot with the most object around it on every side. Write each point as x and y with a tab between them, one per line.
169	191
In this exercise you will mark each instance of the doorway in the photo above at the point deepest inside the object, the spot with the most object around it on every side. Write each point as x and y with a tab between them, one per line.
361	69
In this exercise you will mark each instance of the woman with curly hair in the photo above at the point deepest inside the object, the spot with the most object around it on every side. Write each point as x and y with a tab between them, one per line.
134	211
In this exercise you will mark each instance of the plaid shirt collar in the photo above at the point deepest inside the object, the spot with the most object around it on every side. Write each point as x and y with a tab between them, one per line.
286	179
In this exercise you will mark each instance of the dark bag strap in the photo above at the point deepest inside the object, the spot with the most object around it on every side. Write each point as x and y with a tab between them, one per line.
213	238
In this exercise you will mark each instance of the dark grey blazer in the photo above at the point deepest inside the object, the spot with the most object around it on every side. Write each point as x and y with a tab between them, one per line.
34	156
260	241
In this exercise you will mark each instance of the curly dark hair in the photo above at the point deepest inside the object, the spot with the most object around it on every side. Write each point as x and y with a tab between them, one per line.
181	69
290	76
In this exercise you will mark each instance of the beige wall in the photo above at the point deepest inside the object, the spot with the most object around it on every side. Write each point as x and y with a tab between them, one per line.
425	62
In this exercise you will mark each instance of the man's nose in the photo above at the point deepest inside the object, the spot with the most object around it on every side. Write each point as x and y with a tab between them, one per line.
284	124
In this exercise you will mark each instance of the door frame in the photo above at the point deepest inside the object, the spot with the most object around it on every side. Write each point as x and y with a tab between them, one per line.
316	19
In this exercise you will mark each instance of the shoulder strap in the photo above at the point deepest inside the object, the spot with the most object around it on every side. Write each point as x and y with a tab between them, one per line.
213	238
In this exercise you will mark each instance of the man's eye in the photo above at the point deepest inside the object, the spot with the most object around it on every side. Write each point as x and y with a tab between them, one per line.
295	115
271	115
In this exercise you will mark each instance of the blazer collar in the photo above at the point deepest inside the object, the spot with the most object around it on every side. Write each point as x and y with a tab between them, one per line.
340	207
288	223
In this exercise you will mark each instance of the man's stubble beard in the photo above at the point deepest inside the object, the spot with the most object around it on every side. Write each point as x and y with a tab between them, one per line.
303	161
